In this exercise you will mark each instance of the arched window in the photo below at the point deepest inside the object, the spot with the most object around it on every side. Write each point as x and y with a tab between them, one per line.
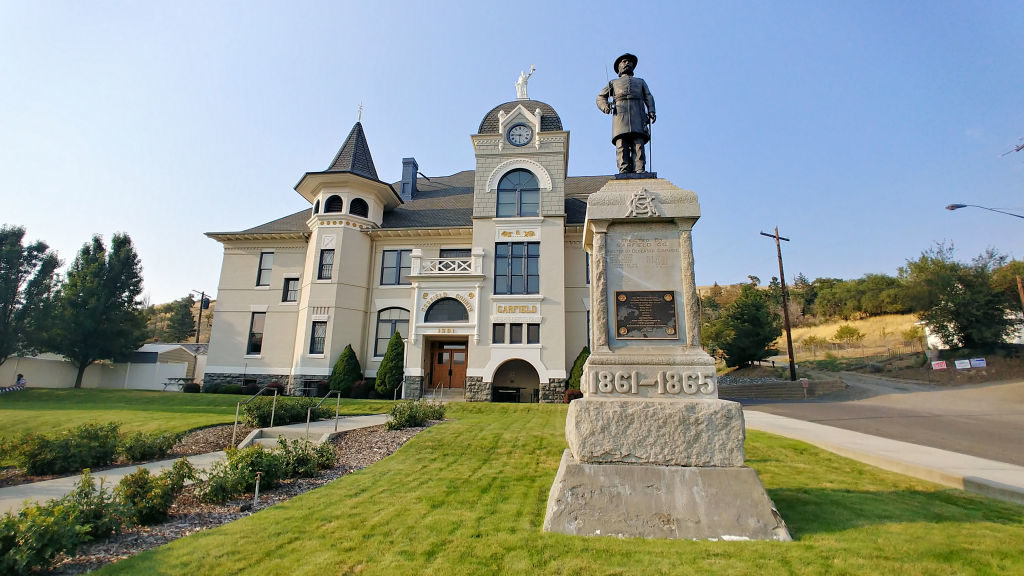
316	208
446	310
518	194
389	321
358	207
333	204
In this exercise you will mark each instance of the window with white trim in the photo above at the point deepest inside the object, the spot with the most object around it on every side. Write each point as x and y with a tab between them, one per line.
266	265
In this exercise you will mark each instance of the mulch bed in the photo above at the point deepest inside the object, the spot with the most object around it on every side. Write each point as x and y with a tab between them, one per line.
355	449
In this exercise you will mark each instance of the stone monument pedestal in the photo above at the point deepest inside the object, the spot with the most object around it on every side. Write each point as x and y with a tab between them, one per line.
653	452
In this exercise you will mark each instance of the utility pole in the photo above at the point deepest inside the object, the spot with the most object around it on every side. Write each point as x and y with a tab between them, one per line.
199	321
1020	291
785	302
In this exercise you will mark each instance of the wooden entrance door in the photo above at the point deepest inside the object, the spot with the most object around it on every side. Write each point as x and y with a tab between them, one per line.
448	365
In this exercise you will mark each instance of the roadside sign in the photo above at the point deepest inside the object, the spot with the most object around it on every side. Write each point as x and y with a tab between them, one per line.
939	365
963	364
978	363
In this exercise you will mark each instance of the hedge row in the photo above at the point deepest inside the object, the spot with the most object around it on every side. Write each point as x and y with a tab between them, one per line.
85	446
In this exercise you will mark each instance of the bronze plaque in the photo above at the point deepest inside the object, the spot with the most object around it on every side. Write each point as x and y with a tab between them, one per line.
647	314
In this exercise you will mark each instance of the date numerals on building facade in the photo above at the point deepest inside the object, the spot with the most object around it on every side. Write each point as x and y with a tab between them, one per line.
666	382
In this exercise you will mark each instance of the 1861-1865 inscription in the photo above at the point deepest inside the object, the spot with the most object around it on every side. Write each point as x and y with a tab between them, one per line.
645	315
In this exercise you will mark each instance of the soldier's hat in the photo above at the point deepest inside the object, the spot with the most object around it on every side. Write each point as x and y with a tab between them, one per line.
626	56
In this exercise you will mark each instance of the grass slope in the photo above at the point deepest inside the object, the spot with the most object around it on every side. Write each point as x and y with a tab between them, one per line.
47	410
468	497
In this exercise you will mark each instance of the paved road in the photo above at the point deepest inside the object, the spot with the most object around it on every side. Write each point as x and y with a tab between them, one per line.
986	421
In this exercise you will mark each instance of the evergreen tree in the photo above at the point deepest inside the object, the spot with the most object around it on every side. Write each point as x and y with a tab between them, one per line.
180	324
392	367
577	368
98	315
28	283
747	328
346	372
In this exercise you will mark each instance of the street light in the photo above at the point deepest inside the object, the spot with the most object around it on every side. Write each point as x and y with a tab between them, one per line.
958	206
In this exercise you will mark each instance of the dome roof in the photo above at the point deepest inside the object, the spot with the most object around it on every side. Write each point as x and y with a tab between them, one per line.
549	120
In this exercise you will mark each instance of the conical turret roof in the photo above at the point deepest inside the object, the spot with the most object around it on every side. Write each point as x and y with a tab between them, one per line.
354	155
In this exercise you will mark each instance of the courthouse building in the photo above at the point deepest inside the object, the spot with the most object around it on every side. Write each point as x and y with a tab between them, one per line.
482	272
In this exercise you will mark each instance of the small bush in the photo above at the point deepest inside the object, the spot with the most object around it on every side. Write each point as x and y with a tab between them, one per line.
139	446
191	388
85	446
577	368
148	497
36	535
414	414
304	459
212	387
240	470
95	509
572	394
346	372
230	389
361	389
288	411
281	388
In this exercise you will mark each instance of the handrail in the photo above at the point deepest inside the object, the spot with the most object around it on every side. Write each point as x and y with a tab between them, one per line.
234	431
337	409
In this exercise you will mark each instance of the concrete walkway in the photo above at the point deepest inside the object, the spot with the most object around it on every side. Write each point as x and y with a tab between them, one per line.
13	498
988	477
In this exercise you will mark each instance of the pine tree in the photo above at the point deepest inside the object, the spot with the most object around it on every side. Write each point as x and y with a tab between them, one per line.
747	328
577	368
180	325
346	372
392	367
99	315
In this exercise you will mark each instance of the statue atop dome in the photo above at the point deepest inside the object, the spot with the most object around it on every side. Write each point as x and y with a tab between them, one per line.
521	83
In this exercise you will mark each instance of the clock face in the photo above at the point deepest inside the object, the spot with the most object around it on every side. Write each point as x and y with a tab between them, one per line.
520	135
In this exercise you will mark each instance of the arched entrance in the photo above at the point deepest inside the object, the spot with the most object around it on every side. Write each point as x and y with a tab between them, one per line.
515	381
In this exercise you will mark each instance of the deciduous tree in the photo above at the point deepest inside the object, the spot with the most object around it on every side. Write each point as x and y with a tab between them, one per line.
98	315
28	282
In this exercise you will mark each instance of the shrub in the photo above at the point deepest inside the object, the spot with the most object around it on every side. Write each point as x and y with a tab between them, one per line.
577	368
149	498
288	411
392	368
95	509
360	389
346	372
212	387
303	458
229	389
913	334
237	474
414	414
281	388
191	388
572	394
35	536
85	446
139	446
849	334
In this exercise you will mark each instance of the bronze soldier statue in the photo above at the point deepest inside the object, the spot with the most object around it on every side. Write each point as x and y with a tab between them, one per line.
629	100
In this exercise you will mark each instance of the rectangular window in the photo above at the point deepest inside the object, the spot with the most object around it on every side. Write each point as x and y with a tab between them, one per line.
587	254
456	253
497	334
256	324
533	333
389	321
326	264
517	268
395	267
290	293
515	333
318	337
266	265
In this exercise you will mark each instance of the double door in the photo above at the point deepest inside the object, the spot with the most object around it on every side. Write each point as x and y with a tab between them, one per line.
448	365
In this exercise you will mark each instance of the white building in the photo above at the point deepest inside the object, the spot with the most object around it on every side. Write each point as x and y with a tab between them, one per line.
483	271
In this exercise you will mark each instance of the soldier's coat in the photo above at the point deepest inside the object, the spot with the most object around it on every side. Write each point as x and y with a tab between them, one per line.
630	95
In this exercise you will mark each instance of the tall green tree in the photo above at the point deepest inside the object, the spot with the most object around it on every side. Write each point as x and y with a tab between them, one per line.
392	367
180	324
346	371
28	282
961	303
98	315
747	328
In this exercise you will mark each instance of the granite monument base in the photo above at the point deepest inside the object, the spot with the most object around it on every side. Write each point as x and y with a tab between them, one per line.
671	502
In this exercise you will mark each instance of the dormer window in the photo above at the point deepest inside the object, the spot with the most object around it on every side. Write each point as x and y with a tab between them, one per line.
518	194
334	204
358	207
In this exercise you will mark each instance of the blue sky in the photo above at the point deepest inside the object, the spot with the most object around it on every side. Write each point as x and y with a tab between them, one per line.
849	125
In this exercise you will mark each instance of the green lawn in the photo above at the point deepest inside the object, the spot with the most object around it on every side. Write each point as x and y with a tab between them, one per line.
50	410
468	497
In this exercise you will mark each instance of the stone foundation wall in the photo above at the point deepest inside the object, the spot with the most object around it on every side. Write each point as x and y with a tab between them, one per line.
412	387
292	382
477	390
552	391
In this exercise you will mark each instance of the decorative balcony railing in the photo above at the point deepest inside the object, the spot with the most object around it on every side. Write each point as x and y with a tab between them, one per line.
421	266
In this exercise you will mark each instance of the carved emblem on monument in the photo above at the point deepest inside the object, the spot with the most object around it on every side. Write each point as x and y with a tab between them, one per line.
642	204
